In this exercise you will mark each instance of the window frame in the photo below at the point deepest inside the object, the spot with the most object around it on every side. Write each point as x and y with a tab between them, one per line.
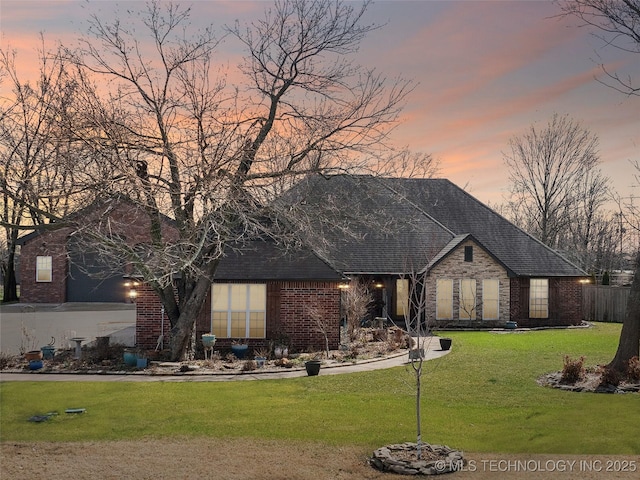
238	305
496	300
401	309
44	269
472	313
441	306
538	304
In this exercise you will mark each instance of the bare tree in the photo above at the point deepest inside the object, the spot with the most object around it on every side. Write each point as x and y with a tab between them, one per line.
182	142
35	181
550	170
354	303
616	23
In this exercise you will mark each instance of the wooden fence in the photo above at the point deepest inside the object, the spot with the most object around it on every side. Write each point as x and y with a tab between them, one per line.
604	303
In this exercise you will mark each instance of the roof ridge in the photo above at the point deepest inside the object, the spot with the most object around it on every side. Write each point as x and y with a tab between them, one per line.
494	212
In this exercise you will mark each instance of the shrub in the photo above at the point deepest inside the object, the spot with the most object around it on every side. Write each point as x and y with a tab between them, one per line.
633	369
573	370
249	366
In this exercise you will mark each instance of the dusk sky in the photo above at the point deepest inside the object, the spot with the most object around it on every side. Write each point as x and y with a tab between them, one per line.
486	71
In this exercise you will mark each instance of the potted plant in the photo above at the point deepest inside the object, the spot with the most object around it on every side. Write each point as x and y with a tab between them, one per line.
130	357
239	348
33	355
261	356
313	366
445	343
208	340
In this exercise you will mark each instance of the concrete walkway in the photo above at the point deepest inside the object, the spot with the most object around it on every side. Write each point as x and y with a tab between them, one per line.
431	347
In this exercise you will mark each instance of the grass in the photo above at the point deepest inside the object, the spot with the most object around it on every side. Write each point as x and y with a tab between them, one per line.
481	397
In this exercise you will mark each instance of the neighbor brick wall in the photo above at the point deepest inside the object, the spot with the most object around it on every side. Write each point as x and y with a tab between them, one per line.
124	219
53	244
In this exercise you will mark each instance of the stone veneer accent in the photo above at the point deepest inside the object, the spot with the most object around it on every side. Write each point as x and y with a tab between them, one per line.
453	267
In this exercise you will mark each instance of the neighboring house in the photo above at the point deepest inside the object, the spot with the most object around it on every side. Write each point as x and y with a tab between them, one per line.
479	269
55	267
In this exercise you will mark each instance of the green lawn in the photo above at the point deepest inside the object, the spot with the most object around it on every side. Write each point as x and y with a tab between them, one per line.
481	397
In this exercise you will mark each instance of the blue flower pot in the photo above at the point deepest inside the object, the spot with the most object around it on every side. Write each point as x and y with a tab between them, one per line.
48	352
35	364
130	358
240	351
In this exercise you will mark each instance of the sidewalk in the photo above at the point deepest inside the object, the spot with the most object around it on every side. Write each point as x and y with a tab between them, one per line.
432	351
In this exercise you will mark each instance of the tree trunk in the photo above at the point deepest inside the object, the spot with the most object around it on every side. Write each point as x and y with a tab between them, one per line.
629	344
189	311
10	289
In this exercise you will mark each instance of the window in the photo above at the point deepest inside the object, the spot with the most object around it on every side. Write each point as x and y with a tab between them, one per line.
238	310
468	253
44	267
444	299
402	297
467	299
490	299
539	298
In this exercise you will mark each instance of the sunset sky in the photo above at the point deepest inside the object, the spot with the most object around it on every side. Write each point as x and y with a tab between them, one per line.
486	71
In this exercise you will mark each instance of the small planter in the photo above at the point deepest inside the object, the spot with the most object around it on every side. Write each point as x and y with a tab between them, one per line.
240	351
511	325
48	352
445	343
260	361
33	355
208	340
35	364
130	357
141	362
312	367
281	352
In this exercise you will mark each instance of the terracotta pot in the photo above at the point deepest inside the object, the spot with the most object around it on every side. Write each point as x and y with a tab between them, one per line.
33	355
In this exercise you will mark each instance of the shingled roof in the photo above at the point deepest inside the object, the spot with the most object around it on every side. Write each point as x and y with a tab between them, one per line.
427	215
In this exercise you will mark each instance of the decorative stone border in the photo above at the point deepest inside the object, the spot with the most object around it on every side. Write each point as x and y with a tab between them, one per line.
436	459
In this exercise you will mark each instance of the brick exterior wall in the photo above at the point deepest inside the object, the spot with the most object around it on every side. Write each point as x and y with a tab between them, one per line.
565	302
53	244
296	298
287	315
453	267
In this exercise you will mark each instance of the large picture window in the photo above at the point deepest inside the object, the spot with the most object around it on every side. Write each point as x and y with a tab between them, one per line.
44	269
467	299
490	299
539	298
444	299
238	310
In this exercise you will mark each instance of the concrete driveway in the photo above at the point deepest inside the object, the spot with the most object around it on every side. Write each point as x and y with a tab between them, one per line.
31	326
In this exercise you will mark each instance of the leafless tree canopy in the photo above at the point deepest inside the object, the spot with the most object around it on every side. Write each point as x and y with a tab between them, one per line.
617	23
160	122
557	189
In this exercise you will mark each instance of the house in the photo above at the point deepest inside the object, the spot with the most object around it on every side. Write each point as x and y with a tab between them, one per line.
479	270
57	267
